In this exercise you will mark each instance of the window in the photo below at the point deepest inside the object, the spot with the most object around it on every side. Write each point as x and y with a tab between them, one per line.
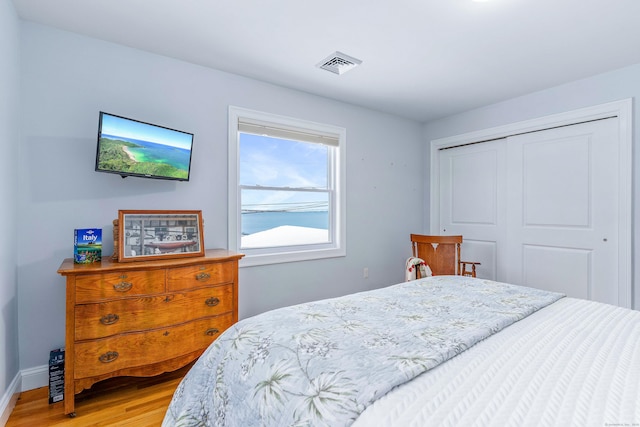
286	188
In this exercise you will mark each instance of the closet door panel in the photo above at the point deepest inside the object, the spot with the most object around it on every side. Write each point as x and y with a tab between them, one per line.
573	281
538	209
562	213
556	182
472	188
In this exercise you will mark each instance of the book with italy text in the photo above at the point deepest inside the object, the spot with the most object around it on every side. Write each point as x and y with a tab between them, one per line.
87	245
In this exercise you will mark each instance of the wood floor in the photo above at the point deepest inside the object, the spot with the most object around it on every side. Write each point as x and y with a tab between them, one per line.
126	401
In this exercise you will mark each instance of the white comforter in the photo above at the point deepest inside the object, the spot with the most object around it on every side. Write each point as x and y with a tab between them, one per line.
573	363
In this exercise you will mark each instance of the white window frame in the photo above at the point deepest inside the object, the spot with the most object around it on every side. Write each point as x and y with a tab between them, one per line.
337	174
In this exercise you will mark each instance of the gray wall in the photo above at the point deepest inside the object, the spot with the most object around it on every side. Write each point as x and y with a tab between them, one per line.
9	145
612	86
68	78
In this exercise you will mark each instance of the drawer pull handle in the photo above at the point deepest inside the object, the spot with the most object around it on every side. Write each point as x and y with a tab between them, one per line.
123	286
212	302
203	276
108	357
109	319
212	331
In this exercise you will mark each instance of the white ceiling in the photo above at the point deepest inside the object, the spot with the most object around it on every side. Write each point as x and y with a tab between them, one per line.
422	59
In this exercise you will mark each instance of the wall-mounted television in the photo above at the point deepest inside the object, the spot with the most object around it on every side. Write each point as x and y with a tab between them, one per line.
129	147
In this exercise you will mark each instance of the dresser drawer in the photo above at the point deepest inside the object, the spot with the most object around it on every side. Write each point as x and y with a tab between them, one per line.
104	319
107	355
201	275
96	287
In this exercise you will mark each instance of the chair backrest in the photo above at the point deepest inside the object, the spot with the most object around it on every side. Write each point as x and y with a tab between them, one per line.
441	253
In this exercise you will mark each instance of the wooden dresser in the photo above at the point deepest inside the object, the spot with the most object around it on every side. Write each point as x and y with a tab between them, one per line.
144	318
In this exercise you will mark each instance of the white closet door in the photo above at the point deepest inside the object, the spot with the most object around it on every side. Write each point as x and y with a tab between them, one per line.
563	210
539	209
472	203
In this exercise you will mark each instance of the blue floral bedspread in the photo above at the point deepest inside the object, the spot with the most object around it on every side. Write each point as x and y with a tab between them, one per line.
322	363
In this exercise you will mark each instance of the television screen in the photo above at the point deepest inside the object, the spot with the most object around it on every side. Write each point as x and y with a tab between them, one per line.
129	147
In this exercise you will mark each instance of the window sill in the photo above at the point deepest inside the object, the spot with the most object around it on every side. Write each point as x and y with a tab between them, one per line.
251	260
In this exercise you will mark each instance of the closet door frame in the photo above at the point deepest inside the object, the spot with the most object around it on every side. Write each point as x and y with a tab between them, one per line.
621	109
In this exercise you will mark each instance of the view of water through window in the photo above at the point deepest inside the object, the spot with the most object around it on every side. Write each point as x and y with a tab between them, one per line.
284	189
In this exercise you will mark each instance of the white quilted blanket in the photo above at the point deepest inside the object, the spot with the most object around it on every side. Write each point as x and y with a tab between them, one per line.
573	363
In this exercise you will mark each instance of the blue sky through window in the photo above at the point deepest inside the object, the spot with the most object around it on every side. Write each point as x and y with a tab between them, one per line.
274	162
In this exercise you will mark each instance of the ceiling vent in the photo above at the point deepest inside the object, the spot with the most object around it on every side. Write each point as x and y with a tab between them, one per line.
339	63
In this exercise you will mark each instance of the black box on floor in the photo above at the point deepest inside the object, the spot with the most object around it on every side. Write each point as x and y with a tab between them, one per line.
56	375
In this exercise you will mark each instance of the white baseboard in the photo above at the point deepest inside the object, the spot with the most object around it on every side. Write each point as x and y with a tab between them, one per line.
35	377
8	401
28	379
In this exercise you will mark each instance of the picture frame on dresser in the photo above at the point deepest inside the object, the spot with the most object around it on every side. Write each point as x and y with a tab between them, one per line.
159	234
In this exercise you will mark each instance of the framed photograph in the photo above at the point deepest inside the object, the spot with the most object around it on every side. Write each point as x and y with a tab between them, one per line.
148	235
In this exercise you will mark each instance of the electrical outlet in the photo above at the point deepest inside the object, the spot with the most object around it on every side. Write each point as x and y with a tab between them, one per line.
365	272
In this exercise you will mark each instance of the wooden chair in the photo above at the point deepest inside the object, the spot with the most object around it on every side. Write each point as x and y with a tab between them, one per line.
442	255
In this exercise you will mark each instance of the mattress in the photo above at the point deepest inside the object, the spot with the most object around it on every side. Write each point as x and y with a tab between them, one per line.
442	351
573	363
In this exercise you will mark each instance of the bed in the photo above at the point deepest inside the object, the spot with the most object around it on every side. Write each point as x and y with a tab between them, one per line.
440	351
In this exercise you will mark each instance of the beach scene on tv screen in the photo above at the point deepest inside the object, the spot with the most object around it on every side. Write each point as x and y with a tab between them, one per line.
131	147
